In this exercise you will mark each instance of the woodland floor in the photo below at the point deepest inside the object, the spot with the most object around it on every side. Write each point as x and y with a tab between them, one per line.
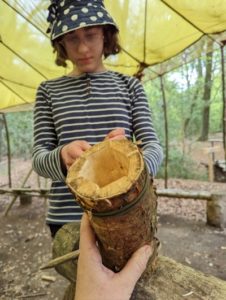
26	244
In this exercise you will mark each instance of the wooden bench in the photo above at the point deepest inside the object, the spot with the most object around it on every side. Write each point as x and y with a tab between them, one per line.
215	208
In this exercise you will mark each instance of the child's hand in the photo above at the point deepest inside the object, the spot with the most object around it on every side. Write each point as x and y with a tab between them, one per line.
70	152
116	134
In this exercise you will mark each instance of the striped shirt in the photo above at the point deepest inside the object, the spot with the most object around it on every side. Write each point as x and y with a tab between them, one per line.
87	107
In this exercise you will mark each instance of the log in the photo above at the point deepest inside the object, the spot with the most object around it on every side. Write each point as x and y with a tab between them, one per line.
21	191
176	281
171	280
111	182
216	210
177	193
215	207
66	241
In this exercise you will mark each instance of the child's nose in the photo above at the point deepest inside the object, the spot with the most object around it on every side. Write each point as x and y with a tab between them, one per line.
82	46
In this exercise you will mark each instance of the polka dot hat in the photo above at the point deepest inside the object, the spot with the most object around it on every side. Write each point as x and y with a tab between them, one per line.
68	15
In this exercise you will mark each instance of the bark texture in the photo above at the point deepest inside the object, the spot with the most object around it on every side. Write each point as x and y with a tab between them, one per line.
111	182
175	281
66	241
121	235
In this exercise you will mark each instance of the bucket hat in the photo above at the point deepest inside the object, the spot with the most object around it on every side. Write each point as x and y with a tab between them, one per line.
68	15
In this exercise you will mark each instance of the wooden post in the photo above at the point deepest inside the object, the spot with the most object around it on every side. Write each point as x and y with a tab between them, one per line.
216	210
210	151
8	149
166	130
25	199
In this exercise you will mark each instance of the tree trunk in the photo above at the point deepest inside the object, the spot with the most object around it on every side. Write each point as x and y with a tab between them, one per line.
207	95
194	97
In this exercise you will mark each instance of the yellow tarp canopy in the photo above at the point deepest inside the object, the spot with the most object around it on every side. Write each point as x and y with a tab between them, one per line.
152	33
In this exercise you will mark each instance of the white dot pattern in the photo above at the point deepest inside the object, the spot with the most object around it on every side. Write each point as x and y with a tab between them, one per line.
64	28
72	17
100	14
62	3
85	10
66	12
93	18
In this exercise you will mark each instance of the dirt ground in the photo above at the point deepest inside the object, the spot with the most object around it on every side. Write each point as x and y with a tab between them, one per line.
26	244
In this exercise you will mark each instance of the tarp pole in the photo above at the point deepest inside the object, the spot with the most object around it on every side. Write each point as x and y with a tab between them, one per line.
166	130
223	98
8	149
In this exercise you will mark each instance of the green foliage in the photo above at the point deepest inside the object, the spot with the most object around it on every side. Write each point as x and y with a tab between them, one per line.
181	166
20	127
216	106
154	96
184	90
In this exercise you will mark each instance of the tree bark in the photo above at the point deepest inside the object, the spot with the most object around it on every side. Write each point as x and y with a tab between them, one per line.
194	97
174	281
207	94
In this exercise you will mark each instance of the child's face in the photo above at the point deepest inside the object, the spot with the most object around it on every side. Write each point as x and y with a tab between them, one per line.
84	48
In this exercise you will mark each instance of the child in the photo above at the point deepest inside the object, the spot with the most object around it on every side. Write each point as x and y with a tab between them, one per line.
91	103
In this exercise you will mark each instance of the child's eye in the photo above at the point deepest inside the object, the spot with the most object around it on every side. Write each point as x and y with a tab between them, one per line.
90	36
72	39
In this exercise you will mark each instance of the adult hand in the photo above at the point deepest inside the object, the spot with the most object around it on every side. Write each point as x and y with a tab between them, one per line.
95	281
73	150
116	134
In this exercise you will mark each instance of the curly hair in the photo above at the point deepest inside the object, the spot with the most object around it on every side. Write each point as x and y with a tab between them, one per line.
111	45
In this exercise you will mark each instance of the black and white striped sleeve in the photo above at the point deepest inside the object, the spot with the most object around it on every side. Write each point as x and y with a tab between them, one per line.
144	130
46	151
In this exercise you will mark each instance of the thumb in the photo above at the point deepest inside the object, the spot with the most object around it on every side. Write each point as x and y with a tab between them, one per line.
136	265
84	145
115	132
